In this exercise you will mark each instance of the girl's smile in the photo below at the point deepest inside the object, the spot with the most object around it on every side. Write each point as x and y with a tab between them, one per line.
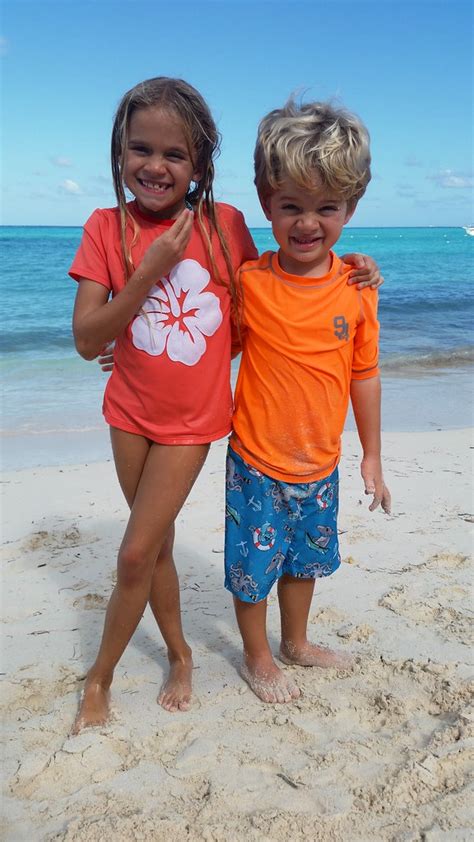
159	165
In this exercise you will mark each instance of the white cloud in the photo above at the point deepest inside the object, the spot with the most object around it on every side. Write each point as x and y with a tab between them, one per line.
68	186
61	161
448	178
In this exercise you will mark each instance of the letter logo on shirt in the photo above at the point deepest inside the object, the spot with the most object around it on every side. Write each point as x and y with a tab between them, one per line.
177	315
341	328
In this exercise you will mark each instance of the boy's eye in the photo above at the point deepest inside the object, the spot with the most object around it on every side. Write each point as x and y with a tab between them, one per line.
329	209
290	207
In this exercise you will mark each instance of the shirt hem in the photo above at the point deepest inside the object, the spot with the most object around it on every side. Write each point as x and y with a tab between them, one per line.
119	424
269	471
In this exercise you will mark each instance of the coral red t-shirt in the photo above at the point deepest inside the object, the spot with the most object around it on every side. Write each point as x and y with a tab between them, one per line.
171	378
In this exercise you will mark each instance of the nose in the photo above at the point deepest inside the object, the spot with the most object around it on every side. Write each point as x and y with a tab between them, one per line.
156	164
307	222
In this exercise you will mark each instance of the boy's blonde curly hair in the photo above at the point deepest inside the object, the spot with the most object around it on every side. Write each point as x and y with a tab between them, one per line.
313	144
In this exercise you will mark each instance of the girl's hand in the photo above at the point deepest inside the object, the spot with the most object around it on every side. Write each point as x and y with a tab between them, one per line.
371	470
366	272
168	248
106	357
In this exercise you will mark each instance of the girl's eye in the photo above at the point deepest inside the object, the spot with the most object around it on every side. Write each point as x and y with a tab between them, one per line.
139	150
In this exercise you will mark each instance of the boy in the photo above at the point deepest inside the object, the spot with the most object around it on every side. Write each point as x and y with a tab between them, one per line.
309	342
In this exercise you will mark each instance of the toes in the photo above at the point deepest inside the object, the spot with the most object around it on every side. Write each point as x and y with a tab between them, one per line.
265	694
173	703
168	704
294	691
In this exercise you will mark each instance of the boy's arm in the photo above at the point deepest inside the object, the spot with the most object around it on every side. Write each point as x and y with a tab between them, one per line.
365	398
106	357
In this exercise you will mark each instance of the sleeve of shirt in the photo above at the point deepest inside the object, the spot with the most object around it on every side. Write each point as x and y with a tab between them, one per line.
236	319
248	250
91	257
238	237
365	363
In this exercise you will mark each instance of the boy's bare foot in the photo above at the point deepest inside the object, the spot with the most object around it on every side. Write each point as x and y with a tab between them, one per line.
175	693
94	708
310	655
269	682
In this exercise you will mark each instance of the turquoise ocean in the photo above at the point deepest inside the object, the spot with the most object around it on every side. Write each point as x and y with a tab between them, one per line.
51	408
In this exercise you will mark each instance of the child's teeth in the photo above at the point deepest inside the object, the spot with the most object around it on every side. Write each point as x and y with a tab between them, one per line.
152	186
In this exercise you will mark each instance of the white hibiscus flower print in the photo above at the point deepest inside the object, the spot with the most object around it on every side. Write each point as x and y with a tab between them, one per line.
177	315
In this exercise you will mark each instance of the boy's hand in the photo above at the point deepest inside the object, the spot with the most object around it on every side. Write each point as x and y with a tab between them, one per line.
106	357
371	470
366	272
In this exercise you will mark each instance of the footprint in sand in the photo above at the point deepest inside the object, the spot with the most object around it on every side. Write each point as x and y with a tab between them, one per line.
36	695
57	539
433	610
90	602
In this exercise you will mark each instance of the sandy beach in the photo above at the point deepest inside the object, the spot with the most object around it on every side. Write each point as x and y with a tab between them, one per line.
378	753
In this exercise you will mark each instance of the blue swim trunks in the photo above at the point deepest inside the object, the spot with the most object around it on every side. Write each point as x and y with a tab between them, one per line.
275	528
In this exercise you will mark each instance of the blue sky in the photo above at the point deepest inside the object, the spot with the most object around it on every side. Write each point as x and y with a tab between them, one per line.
404	67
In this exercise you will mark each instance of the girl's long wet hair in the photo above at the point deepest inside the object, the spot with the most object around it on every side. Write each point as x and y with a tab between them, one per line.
177	97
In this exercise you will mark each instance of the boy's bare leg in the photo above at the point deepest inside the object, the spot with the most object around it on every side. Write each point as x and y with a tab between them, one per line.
295	597
259	670
167	476
175	693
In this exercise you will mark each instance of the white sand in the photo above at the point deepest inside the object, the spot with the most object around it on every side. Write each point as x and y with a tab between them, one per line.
377	754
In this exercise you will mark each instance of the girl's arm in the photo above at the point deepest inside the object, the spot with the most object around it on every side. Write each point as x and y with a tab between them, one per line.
366	272
98	321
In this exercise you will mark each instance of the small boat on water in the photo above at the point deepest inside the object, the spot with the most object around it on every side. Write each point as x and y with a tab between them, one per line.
469	229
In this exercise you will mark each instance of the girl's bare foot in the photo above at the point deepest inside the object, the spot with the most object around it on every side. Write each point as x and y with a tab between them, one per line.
94	708
269	682
310	655
175	693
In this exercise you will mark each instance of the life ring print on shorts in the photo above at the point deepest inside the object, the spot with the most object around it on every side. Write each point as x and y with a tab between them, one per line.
264	537
325	495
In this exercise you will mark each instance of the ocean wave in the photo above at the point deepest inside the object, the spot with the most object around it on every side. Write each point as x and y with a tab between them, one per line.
28	430
452	358
39	339
413	305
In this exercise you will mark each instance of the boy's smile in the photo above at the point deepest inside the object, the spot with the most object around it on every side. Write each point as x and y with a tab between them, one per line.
306	224
158	163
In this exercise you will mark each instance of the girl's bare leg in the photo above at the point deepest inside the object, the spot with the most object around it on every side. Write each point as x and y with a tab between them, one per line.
166	478
129	454
175	694
259	670
295	597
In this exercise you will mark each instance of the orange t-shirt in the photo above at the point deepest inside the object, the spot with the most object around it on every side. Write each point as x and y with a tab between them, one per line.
303	341
171	379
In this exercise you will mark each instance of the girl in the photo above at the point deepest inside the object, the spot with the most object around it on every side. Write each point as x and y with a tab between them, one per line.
168	258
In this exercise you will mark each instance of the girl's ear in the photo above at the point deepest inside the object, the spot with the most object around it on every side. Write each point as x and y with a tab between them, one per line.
196	176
